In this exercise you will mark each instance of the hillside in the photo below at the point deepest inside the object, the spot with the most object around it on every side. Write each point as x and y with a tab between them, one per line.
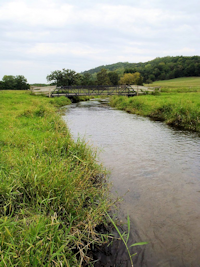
158	68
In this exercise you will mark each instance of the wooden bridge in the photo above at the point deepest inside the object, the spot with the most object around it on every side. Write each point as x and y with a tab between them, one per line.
124	90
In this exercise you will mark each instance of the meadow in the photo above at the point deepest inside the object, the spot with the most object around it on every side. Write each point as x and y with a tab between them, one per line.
179	85
178	103
53	194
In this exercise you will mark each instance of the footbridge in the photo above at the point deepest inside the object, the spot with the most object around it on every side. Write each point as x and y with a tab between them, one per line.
71	91
124	90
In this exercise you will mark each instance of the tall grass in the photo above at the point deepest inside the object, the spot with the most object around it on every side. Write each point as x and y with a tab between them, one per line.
52	191
180	110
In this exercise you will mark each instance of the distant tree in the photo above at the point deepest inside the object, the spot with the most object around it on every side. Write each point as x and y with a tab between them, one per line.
114	77
149	81
152	77
148	67
197	69
132	78
170	75
161	68
21	82
190	70
130	70
86	79
64	78
39	84
156	72
10	82
1	85
103	78
162	76
177	72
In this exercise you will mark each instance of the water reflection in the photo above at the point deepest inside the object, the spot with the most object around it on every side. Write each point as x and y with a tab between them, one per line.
160	168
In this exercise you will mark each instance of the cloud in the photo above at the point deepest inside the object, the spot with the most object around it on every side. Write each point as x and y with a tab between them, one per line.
182	51
43	15
84	34
76	49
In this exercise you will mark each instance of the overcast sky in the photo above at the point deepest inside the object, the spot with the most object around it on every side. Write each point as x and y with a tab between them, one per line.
40	36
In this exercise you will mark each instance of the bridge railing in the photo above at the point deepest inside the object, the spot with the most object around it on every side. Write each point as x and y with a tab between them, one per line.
92	90
128	90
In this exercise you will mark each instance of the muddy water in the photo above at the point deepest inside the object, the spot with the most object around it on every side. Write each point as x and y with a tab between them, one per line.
159	167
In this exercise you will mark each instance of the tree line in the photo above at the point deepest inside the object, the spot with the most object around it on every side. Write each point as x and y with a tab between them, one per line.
158	69
10	82
114	74
68	77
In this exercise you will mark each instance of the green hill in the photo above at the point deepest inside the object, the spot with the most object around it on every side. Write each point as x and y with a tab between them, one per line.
157	69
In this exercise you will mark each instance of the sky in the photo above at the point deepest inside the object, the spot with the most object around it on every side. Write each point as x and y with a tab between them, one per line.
40	36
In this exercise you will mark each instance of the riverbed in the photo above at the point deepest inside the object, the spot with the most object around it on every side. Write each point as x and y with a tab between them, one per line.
157	171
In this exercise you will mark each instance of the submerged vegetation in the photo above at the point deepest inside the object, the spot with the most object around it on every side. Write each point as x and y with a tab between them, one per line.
53	193
178	104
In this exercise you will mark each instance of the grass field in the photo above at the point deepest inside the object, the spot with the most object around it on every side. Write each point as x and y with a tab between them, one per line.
178	104
53	193
191	84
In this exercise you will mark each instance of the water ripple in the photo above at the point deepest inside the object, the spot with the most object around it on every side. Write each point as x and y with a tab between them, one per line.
160	167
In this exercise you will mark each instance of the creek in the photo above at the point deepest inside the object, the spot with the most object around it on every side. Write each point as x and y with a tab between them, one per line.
157	171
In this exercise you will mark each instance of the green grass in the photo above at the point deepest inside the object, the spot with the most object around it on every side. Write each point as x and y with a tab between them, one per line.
52	193
180	85
60	101
176	109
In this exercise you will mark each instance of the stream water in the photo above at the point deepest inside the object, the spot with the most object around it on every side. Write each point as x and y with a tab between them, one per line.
157	170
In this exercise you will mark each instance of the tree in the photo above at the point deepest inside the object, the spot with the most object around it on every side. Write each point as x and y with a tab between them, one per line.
132	78
152	77
149	81
21	82
161	68
114	77
1	85
10	82
64	78
103	78
130	70
86	79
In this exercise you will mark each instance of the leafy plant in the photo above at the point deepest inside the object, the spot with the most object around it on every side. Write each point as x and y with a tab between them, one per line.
125	237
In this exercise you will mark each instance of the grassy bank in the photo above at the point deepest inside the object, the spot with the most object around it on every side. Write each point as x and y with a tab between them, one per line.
176	109
52	194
